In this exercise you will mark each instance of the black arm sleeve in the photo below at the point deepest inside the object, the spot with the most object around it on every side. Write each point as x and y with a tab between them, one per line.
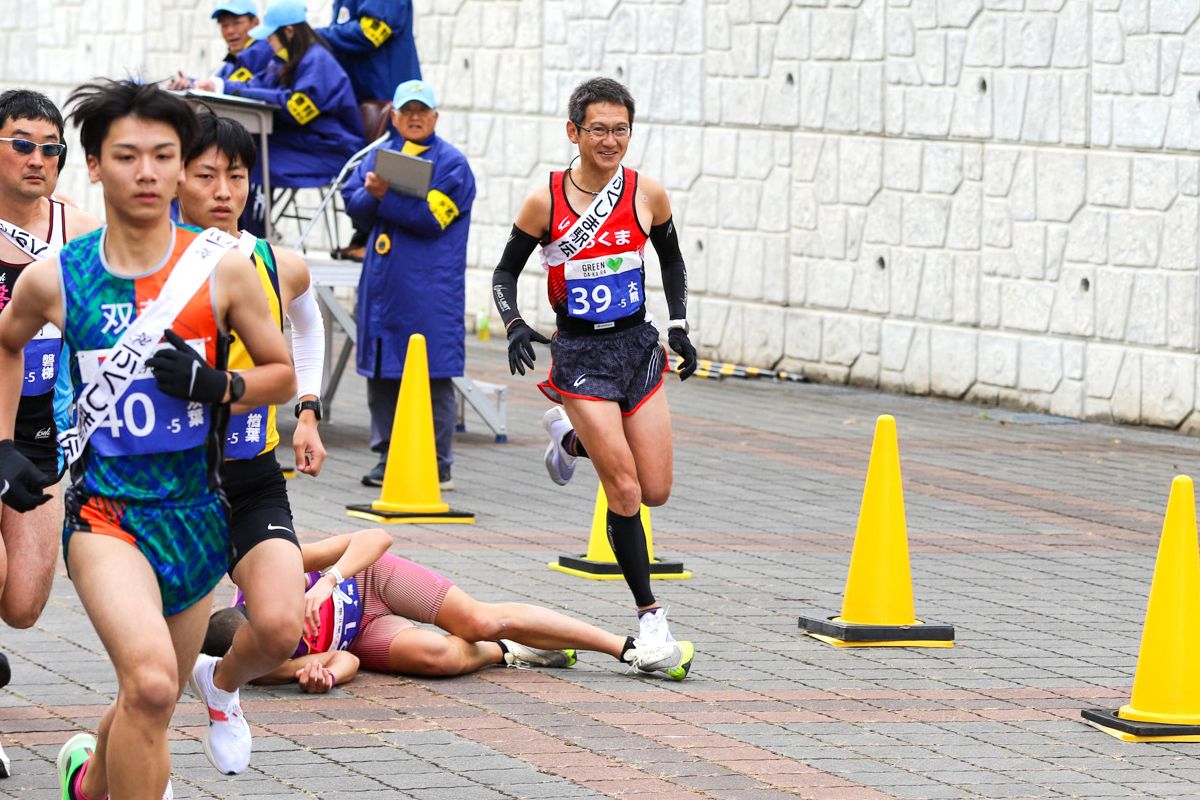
504	280
674	273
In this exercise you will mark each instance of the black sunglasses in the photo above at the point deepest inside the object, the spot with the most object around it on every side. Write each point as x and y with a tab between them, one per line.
26	147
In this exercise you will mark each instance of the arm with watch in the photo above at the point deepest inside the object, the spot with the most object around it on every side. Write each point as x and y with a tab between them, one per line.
338	558
308	354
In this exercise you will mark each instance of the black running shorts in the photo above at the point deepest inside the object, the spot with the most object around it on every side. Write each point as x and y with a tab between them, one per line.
258	502
625	366
36	435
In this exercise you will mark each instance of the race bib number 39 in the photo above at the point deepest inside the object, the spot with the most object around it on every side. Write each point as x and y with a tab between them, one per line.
604	289
145	420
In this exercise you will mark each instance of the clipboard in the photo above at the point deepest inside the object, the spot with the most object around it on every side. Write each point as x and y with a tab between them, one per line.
405	174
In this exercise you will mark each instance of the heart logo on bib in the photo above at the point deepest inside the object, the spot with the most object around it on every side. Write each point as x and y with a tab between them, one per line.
614	263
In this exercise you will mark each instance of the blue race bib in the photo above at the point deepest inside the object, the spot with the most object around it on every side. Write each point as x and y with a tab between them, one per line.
605	288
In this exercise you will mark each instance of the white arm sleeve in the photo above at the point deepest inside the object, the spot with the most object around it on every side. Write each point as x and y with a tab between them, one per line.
308	343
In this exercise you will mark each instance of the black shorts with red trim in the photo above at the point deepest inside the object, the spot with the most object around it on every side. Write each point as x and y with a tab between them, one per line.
623	366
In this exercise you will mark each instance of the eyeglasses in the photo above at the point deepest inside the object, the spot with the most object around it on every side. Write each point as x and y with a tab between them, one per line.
26	147
598	133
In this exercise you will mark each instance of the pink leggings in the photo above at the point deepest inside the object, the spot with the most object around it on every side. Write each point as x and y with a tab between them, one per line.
394	592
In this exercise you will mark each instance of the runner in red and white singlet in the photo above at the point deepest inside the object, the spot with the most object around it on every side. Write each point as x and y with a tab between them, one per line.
593	221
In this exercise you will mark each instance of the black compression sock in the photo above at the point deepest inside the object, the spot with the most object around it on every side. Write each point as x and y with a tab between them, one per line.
629	645
628	541
503	649
573	445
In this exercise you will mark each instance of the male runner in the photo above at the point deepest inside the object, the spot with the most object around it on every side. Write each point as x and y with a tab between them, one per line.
142	506
266	562
593	223
33	225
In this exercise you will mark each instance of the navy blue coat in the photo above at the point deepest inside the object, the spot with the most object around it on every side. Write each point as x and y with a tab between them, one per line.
417	284
317	126
254	57
374	42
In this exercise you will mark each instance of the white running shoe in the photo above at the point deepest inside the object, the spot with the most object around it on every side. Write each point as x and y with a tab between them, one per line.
522	656
5	764
559	464
673	659
653	627
227	741
169	794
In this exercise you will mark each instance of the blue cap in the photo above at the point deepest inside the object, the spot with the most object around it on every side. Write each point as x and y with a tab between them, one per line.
236	7
280	13
416	89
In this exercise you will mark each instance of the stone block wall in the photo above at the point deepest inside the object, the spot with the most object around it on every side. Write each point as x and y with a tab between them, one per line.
996	200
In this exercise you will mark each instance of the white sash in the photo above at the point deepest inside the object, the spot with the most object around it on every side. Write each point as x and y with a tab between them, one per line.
577	237
139	341
29	244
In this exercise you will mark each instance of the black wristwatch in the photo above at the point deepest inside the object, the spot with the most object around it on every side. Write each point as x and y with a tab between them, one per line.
237	387
309	405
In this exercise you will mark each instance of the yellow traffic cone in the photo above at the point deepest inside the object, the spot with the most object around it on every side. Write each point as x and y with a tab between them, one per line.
410	484
600	564
1165	706
877	606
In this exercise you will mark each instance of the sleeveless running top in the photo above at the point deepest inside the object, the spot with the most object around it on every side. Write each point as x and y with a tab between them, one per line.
42	352
154	447
341	618
605	282
254	433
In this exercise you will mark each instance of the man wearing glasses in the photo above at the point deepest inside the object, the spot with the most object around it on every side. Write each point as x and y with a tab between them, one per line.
33	226
593	220
414	274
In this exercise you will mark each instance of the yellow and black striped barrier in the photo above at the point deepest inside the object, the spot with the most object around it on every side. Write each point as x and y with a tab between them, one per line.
719	370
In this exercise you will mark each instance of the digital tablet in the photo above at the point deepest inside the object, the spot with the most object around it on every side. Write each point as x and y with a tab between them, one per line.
405	174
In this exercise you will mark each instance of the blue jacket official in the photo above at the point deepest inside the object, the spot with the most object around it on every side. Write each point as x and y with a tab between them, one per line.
253	60
414	275
373	40
317	126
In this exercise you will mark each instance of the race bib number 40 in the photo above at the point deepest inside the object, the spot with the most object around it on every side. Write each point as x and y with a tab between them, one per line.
145	420
41	361
604	289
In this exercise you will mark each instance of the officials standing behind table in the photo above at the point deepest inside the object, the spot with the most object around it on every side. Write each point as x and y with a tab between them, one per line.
317	127
414	275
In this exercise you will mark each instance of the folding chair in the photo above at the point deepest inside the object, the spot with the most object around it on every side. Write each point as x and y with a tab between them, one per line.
376	118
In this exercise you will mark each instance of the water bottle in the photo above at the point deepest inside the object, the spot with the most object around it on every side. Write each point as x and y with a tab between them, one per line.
481	325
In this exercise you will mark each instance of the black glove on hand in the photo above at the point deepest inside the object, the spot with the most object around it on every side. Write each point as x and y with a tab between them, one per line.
682	345
180	372
21	483
520	351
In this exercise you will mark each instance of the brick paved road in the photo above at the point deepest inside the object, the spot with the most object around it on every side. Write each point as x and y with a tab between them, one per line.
1035	537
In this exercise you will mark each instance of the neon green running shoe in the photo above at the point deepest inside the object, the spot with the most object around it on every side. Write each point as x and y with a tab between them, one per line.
673	659
71	757
523	656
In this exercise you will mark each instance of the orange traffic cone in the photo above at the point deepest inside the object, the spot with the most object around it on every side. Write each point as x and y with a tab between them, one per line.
877	606
1165	706
410	483
599	563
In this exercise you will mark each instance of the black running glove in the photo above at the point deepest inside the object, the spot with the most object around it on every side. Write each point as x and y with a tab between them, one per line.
682	345
180	372
520	351
21	483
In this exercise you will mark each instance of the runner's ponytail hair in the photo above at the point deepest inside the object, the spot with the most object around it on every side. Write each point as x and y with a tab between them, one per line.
301	40
99	104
